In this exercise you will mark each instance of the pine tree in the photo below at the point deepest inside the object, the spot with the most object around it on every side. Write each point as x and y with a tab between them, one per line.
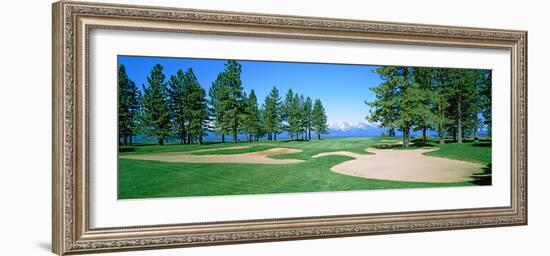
423	83
385	109
462	95
399	101
302	117
485	93
218	94
178	109
252	124
128	107
234	104
156	113
308	110
286	110
196	106
272	115
319	119
294	117
441	102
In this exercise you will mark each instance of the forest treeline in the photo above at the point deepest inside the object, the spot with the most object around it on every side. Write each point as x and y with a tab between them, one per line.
453	102
178	107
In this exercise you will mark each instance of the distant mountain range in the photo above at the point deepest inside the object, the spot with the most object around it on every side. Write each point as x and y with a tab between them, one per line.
362	129
354	129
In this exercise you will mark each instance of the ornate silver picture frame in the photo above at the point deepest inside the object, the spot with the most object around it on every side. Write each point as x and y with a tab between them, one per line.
72	24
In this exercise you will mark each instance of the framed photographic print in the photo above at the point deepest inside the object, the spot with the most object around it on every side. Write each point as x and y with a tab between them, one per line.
179	127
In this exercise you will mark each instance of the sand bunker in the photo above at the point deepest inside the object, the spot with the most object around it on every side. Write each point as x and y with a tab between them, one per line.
405	165
260	157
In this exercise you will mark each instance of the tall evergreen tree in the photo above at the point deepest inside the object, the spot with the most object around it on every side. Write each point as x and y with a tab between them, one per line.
128	107
234	104
218	94
423	84
252	124
485	93
272	115
385	109
196	106
308	111
302	116
441	101
286	111
319	119
462	95
156	113
178	108
399	101
295	117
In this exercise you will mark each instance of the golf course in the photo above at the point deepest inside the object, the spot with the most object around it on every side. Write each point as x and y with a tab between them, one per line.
174	170
212	127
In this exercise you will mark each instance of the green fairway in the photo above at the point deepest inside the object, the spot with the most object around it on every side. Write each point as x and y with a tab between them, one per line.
153	179
479	152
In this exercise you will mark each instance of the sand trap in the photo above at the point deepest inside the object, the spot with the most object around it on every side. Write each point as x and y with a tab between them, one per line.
405	165
260	157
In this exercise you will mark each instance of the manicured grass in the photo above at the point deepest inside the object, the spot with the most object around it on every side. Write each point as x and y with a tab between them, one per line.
470	151
153	179
477	152
309	148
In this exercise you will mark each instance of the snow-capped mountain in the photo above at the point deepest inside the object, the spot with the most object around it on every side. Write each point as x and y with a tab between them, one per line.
347	126
354	129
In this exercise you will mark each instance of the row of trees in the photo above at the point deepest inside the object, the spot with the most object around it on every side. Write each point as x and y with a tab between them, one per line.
453	102
178	108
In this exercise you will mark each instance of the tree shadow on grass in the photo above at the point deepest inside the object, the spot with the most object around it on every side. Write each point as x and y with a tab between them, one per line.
296	140
483	178
483	144
415	144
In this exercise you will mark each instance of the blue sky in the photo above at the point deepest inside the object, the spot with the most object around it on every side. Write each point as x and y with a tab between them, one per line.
342	88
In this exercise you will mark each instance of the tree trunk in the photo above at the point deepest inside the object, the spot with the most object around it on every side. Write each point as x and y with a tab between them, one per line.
318	136
200	139
405	143
459	125
440	128
424	134
476	131
183	134
235	136
391	132
441	134
223	138
406	137
454	134
275	136
309	133
160	141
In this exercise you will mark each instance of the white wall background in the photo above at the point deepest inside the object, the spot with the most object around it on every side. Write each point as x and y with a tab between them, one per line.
25	149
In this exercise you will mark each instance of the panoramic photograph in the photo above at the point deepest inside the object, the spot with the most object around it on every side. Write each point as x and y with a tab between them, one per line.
213	127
